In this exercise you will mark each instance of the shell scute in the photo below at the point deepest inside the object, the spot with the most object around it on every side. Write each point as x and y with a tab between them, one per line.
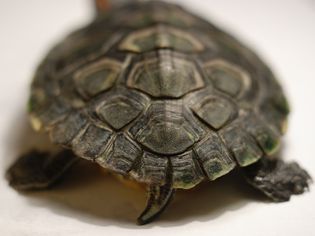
91	142
165	74
267	138
185	171
151	168
215	111
65	131
120	155
97	77
160	36
228	78
118	111
242	145
214	157
167	131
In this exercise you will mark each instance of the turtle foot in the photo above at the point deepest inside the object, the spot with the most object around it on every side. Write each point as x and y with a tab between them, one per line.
278	180
39	170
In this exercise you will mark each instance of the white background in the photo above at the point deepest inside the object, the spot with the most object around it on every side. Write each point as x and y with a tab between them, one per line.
92	203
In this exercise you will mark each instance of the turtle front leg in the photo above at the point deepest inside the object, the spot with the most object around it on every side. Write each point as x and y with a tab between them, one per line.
39	170
159	198
276	179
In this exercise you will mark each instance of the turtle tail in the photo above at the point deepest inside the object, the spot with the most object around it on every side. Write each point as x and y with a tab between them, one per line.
159	198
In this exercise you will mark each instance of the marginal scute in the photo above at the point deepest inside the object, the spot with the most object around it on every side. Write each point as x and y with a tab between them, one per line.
185	171
91	142
214	157
69	92
281	103
241	144
274	116
54	110
66	130
121	155
215	111
160	36
166	75
45	80
166	130
275	110
119	110
228	78
267	138
45	107
152	169
37	101
97	77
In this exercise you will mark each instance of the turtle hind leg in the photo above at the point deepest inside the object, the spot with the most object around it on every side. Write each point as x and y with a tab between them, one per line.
39	170
159	198
276	179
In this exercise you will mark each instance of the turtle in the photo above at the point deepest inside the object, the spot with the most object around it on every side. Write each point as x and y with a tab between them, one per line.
156	94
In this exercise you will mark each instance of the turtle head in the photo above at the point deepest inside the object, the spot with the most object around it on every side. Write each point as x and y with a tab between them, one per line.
103	6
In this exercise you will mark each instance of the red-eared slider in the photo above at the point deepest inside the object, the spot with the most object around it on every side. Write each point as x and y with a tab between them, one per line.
156	94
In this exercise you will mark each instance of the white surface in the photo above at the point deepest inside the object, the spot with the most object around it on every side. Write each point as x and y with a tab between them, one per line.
282	31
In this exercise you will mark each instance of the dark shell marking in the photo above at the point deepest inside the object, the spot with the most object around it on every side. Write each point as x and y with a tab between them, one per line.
159	97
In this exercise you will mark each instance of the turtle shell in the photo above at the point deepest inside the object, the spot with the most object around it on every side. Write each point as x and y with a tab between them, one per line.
151	91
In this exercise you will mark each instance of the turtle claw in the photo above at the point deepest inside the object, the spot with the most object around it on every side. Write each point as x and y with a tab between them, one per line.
278	180
39	170
159	198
